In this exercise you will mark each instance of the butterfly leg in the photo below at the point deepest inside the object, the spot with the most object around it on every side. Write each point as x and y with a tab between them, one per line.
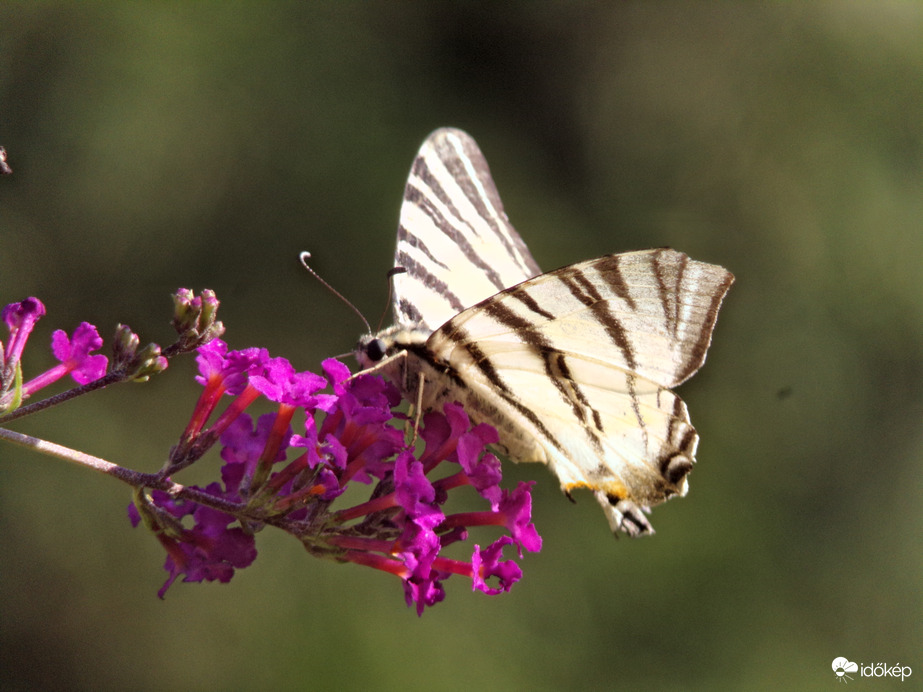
418	407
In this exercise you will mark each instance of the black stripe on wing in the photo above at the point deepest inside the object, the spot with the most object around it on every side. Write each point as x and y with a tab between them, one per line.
682	283
451	228
482	362
554	363
583	290
456	148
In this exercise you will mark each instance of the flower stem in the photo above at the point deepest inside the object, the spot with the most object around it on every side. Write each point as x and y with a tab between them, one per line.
135	479
103	381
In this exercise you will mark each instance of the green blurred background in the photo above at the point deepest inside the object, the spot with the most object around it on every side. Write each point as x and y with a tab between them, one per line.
158	145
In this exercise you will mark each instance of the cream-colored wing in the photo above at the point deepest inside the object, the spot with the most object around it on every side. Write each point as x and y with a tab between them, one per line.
574	366
454	239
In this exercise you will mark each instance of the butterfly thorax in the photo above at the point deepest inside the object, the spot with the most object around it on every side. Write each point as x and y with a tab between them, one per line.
399	354
402	354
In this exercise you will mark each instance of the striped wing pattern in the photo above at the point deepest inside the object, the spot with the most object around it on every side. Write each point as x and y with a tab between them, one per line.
573	367
454	239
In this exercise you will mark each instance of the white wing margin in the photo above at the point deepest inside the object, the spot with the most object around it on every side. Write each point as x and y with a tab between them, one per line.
454	239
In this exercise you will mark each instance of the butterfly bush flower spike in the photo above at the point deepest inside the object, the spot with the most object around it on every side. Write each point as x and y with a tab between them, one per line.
295	481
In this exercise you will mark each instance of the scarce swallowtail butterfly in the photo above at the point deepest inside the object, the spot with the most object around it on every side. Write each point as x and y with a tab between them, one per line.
574	366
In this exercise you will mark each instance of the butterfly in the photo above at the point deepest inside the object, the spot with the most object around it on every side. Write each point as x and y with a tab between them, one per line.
574	366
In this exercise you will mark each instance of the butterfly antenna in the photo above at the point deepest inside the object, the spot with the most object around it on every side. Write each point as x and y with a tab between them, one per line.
304	257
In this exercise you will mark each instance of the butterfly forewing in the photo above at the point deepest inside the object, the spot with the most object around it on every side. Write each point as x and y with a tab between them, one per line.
649	313
454	239
572	367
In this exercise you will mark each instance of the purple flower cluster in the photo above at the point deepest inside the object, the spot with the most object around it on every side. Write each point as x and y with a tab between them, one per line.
349	435
74	352
348	431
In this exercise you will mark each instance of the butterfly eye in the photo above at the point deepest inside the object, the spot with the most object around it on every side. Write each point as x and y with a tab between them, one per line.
375	350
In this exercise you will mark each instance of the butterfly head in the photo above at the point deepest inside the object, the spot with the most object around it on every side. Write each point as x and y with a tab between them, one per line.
372	349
